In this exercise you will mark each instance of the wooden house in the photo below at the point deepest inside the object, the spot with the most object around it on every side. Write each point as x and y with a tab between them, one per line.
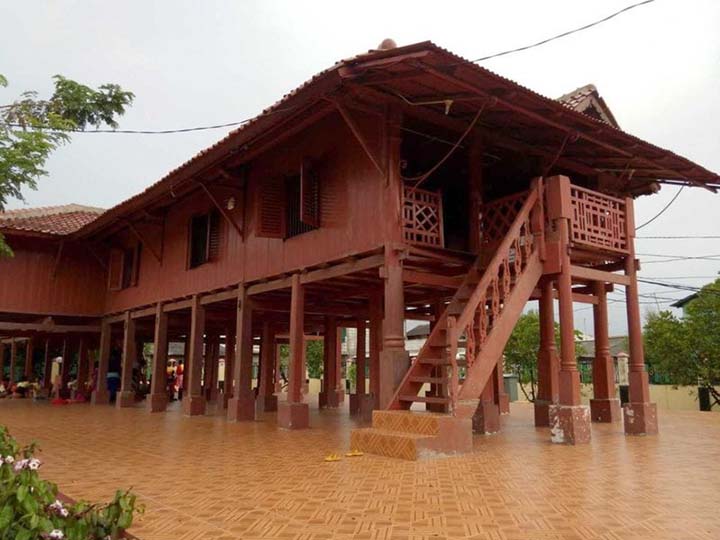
403	183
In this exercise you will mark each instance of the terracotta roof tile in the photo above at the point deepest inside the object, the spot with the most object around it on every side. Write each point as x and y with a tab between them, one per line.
55	220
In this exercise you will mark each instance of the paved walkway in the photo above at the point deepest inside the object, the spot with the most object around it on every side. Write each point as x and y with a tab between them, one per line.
205	478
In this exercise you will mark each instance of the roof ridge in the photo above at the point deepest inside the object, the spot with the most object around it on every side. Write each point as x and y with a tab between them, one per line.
37	211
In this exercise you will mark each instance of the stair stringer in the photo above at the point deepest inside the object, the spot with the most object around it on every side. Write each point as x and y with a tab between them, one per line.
478	374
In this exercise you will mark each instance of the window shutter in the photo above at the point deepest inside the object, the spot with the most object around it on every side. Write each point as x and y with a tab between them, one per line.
214	236
136	265
115	268
270	206
309	195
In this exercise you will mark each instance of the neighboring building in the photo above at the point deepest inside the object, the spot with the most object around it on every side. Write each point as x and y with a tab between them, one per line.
618	352
403	183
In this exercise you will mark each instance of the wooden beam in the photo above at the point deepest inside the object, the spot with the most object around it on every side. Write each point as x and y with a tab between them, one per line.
436	280
223	211
221	296
358	135
590	274
143	241
49	328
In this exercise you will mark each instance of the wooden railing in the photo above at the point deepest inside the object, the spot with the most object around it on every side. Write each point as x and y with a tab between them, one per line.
423	217
497	216
485	305
598	220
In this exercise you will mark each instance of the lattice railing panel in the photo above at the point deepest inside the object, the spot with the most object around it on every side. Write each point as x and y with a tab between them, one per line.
497	216
422	217
599	221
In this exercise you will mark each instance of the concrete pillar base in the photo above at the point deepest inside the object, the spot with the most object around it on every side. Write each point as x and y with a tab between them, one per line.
293	415
125	399
157	403
193	405
485	415
242	407
265	404
330	399
605	410
640	418
504	403
570	424
100	397
542	412
362	406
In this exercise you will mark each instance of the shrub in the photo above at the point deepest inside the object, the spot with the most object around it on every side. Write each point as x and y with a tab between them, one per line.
31	509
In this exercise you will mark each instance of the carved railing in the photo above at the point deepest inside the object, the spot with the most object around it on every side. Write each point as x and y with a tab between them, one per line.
497	216
598	221
485	305
423	217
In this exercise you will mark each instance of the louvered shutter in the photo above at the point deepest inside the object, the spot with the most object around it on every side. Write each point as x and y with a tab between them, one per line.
214	236
309	195
270	208
135	277
115	270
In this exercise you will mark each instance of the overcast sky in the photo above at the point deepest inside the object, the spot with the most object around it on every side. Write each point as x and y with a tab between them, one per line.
201	63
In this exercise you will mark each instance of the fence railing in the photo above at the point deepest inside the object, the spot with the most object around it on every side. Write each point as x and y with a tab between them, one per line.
423	217
598	220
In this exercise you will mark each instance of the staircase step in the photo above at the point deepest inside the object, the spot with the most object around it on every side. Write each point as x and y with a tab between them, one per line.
425	399
418	423
386	443
429	380
433	361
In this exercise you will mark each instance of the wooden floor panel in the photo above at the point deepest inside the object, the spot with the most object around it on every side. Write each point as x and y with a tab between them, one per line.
205	478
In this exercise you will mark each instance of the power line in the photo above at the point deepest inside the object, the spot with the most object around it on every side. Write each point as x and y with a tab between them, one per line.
564	34
685	237
661	212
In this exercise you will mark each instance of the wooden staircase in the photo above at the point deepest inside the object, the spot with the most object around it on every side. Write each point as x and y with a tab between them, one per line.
479	319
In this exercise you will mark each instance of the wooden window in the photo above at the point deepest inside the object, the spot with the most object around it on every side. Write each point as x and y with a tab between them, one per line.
204	239
115	270
269	208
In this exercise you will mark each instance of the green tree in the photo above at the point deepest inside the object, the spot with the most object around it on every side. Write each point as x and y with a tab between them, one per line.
522	349
313	358
687	350
32	128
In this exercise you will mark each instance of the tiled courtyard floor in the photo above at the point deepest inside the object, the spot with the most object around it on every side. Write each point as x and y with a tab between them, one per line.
206	478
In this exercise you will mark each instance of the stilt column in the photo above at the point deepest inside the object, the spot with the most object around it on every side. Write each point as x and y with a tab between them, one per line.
241	407
13	360
83	368
604	407
293	413
394	359
375	346
193	402
230	344
329	396
158	398
266	399
29	349
570	420
548	361
126	396
100	395
640	415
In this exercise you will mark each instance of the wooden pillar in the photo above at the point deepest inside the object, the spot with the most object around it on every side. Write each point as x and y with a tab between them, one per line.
394	359
193	403
47	366
229	365
66	356
82	369
29	350
548	362
293	413
158	399
212	361
100	395
640	414
339	385
266	399
241	407
2	363
605	406
329	396
361	358
570	420
13	361
278	369
375	346
126	396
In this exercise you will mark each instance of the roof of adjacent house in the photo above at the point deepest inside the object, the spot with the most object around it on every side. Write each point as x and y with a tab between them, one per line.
684	301
618	345
413	74
588	101
422	330
49	220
